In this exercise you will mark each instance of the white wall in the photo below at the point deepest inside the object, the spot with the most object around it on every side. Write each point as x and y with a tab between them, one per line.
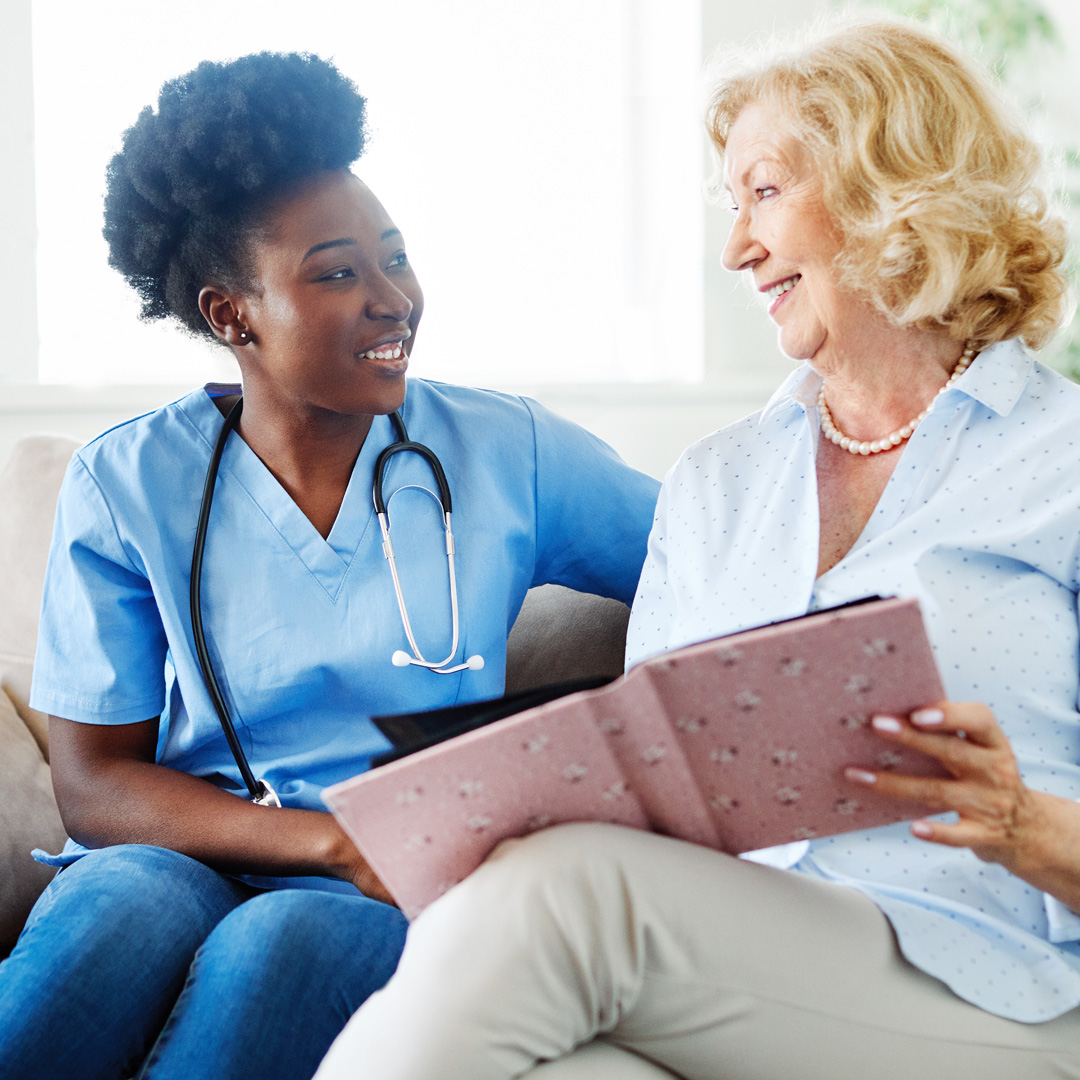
648	424
18	308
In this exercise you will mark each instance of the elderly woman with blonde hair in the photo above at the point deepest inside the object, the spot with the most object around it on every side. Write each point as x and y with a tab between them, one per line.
885	207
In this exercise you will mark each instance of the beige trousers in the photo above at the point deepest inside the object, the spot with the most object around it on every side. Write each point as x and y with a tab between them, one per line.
675	956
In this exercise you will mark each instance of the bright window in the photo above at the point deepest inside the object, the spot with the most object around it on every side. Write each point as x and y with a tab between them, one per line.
544	162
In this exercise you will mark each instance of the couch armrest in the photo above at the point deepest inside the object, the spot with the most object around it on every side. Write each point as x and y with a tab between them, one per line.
28	819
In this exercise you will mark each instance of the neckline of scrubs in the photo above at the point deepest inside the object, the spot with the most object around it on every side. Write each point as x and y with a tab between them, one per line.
328	560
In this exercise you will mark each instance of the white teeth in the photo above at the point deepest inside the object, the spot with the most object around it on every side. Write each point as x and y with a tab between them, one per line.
393	353
783	287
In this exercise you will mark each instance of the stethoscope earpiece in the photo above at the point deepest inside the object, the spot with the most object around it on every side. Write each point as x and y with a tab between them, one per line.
403	659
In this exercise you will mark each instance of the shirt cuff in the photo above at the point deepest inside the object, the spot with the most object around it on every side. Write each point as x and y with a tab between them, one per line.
1063	924
785	856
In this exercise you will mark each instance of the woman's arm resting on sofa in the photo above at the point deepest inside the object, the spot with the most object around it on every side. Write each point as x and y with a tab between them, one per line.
110	791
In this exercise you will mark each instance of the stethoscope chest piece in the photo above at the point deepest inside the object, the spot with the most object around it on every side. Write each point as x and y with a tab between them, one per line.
269	796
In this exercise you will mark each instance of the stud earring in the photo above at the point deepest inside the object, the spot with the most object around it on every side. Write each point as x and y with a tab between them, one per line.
243	335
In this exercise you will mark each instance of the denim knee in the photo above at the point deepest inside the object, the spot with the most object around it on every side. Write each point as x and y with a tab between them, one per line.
135	893
291	929
103	957
275	982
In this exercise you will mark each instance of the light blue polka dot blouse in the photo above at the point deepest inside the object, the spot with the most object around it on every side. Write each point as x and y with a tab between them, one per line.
981	521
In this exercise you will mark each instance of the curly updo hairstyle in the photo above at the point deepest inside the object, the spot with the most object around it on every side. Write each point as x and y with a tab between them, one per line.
185	193
929	176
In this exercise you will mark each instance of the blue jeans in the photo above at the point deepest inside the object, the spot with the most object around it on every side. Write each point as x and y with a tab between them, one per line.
140	960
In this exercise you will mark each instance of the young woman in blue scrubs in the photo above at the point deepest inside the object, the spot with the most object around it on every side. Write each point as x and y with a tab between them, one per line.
191	932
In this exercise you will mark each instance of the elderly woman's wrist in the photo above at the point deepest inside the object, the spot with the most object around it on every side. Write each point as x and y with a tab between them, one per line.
1047	852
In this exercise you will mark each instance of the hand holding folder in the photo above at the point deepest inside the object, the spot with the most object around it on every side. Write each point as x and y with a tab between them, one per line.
737	743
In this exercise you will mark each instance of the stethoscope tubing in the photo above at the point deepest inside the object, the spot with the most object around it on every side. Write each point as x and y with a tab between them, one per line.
403	444
259	791
400	658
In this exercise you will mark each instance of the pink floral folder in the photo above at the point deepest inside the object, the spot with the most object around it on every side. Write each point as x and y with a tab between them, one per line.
737	743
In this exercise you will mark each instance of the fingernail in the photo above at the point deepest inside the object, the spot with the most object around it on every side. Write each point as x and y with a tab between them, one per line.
886	723
861	776
921	828
928	717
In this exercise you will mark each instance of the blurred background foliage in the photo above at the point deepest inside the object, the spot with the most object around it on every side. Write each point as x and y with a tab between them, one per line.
1017	40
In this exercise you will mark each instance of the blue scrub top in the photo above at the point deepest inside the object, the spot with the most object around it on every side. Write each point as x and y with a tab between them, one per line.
301	629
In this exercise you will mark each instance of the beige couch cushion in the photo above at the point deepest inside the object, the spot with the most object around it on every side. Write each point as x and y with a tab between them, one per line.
28	815
28	819
28	489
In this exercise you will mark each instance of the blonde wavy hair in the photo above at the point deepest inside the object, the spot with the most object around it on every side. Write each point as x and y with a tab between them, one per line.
926	172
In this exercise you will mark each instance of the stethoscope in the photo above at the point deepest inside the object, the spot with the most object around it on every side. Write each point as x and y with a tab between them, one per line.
259	790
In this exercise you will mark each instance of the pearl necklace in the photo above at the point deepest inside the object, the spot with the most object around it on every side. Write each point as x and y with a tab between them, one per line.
853	446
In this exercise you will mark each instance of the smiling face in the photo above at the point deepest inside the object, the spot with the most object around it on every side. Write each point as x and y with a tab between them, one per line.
333	318
782	234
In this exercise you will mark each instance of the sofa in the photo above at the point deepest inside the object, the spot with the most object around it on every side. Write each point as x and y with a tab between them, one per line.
560	634
28	814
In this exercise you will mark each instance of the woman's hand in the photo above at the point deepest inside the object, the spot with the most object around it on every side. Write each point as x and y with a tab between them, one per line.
349	864
1034	835
110	791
